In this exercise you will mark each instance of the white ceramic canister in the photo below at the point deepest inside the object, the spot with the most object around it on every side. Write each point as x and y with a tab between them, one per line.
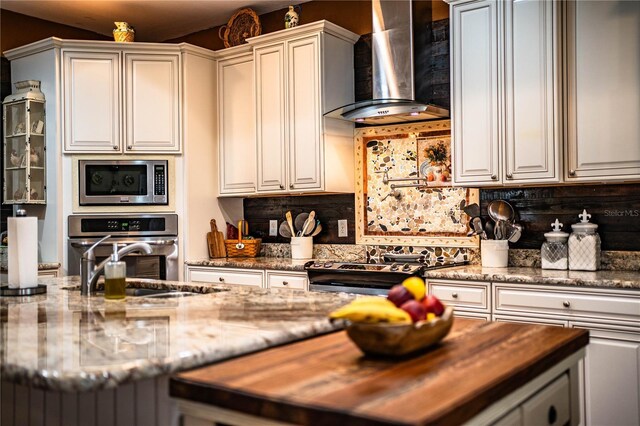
554	251
301	247
584	245
494	253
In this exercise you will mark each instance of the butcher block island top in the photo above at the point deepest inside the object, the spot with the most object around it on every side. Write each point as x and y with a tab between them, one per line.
326	380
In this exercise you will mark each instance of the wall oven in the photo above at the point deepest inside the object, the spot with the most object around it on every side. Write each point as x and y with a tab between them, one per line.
123	182
158	230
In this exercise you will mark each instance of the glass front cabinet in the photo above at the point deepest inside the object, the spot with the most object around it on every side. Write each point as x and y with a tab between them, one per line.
24	145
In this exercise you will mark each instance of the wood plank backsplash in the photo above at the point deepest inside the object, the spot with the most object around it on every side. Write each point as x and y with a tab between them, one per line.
615	208
329	209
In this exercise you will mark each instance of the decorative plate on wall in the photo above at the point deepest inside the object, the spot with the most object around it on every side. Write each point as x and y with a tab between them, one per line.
242	25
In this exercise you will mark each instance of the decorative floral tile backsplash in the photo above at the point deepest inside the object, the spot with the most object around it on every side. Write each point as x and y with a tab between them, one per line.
430	256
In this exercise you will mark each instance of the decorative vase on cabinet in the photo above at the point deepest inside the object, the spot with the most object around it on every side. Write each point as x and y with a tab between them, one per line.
24	145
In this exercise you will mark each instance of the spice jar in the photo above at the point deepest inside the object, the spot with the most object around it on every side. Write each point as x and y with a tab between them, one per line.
554	251
584	245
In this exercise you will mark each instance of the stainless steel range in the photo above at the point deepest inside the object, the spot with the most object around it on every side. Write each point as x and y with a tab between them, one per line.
366	278
158	230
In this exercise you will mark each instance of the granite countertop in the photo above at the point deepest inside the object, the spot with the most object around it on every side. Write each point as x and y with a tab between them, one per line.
41	266
610	279
64	341
277	263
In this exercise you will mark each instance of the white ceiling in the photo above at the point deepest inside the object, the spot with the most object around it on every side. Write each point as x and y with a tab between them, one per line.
153	20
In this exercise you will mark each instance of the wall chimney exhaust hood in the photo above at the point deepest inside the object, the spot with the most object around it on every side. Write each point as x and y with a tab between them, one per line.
393	59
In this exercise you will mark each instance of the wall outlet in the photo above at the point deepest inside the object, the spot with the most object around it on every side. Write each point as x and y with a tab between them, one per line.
273	228
342	228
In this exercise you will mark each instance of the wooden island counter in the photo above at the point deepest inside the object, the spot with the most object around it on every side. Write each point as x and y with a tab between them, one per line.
481	373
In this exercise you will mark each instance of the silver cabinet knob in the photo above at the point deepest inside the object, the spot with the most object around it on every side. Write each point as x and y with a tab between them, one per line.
454	295
572	172
494	177
566	303
291	186
509	176
285	282
221	279
281	186
115	147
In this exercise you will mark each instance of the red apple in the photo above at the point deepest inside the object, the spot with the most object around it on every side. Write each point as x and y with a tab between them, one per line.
433	305
415	309
399	294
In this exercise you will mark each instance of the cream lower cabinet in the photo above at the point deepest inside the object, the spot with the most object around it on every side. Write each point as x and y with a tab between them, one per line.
611	369
470	299
300	74
292	280
505	92
602	90
236	121
119	99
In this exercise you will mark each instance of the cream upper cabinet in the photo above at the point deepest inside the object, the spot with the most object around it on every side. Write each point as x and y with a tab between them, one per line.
236	122
92	84
120	101
602	90
300	74
475	98
505	93
152	102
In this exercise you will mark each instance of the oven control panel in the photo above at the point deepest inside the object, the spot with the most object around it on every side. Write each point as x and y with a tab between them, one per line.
122	225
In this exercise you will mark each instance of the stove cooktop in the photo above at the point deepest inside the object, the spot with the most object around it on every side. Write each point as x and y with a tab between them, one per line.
411	268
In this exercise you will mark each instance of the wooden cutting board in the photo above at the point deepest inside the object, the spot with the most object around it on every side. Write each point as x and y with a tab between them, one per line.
215	241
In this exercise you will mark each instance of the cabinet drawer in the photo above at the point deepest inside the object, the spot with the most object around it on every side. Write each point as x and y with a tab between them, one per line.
461	295
550	406
284	280
226	276
571	303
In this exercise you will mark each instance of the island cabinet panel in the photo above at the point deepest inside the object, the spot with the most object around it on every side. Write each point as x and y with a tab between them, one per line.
249	277
497	367
142	403
463	295
287	279
602	90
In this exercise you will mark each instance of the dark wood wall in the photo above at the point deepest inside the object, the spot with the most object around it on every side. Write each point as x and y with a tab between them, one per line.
615	208
5	90
329	209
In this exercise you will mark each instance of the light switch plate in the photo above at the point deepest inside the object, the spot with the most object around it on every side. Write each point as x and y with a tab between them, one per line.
273	228
342	228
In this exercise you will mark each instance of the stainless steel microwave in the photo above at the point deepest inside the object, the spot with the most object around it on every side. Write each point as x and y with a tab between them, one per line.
123	182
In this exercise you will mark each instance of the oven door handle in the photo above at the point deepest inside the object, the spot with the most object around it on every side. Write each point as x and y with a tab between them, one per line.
81	244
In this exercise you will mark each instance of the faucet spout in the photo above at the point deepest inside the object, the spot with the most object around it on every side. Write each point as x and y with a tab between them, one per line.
89	273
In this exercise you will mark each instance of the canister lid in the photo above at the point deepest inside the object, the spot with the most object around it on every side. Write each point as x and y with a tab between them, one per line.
557	234
584	226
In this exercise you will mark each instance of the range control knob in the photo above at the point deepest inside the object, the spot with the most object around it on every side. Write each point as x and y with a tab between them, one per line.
317	265
406	267
328	264
394	267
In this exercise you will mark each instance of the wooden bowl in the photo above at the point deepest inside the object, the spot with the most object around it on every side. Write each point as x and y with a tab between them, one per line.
400	339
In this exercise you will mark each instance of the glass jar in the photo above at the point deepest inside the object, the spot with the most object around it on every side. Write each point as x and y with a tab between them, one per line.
115	272
555	251
584	245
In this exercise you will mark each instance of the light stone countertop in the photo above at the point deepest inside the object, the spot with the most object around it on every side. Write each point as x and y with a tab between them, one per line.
42	266
68	342
610	279
276	263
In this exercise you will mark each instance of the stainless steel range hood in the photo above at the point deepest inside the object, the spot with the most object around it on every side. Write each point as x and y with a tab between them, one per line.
393	60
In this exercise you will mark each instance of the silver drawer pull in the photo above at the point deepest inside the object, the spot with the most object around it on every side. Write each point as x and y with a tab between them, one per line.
454	295
285	283
566	303
221	279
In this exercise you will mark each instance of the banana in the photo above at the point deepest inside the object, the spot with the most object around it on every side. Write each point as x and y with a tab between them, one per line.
372	300
371	313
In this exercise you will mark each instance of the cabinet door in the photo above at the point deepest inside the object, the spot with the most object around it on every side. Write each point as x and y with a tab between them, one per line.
612	377
304	114
91	101
475	130
532	98
271	117
236	125
152	102
603	64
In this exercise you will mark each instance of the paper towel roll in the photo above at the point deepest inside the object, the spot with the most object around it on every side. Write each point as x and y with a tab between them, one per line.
22	236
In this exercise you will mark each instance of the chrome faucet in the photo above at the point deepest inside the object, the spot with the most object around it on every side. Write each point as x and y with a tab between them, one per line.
89	272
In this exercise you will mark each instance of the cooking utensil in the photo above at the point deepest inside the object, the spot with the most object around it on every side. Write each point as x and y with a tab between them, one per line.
472	210
488	228
290	222
312	229
307	224
215	241
515	232
318	229
501	210
477	228
299	222
284	230
500	230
